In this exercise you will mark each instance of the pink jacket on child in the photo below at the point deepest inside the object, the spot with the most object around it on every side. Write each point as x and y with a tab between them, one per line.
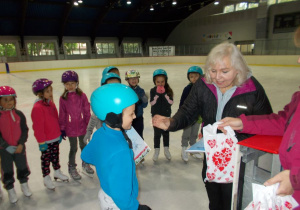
287	124
74	114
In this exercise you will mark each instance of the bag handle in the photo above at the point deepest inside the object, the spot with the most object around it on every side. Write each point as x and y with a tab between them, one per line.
230	131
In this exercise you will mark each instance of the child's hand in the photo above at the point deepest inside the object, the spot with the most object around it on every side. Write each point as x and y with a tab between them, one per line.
19	149
43	147
87	137
168	99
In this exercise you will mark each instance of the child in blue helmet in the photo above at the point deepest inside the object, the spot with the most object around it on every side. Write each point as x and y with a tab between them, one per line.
110	69
161	100
190	133
132	77
74	116
94	121
110	149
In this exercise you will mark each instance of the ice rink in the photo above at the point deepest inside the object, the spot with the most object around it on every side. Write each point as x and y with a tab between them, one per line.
164	185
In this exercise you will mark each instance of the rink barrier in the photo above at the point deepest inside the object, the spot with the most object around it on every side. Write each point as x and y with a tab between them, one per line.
279	61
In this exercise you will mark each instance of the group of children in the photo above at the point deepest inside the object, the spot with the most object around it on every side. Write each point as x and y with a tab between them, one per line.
75	122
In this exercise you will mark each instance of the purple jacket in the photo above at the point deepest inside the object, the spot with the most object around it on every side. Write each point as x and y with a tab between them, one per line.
287	124
74	114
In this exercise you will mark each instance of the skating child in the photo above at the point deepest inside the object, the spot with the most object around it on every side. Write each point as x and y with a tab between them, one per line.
190	133
110	149
74	116
94	120
13	135
46	130
161	100
132	77
111	69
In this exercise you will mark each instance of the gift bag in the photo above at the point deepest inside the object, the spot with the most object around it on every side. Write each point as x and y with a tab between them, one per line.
220	154
139	146
265	198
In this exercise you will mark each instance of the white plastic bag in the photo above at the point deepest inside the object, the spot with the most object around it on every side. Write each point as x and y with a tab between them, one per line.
265	198
220	154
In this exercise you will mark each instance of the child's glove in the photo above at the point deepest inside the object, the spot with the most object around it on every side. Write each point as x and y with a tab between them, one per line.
87	137
43	147
63	135
168	99
60	139
11	149
160	89
144	207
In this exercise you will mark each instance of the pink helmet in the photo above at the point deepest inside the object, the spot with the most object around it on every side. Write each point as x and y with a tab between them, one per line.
68	76
40	84
7	91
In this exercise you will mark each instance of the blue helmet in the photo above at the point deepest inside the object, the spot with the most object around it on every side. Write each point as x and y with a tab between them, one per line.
108	102
107	76
160	72
107	69
194	69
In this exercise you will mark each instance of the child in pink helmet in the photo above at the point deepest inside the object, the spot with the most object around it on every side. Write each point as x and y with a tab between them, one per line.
46	129
74	116
13	135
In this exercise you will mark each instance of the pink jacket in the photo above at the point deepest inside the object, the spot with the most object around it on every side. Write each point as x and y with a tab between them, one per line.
74	114
287	124
45	121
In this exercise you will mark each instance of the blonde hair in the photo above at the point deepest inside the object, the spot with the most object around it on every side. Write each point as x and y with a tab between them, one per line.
218	53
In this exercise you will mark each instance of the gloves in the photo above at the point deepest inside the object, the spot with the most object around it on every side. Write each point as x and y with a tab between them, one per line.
160	89
11	149
144	207
43	147
86	138
63	135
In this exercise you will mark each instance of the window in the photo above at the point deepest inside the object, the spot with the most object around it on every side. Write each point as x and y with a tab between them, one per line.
75	48
252	5
278	1
246	47
229	8
8	50
105	48
241	6
131	48
40	49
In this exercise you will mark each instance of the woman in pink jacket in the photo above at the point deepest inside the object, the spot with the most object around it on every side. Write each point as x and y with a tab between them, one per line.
74	116
287	124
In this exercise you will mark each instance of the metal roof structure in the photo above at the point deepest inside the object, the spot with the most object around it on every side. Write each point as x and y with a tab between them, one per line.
94	18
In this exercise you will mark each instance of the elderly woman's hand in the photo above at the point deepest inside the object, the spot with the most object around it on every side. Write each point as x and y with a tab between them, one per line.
234	123
161	122
285	185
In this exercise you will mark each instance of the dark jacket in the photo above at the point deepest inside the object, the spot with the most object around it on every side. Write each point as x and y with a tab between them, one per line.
185	93
142	102
161	106
249	99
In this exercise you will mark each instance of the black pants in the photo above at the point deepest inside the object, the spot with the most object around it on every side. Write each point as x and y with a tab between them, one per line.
7	168
138	125
157	134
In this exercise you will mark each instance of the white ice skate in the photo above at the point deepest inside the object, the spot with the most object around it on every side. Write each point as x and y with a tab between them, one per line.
48	183
167	153
74	173
184	155
25	189
12	195
59	175
86	169
156	154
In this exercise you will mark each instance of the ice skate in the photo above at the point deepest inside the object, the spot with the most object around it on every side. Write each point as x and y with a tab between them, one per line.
12	195
59	175
167	153
74	173
184	155
25	189
48	183
197	155
87	169
156	154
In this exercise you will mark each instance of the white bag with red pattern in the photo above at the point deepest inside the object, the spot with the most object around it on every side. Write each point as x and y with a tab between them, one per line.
220	154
